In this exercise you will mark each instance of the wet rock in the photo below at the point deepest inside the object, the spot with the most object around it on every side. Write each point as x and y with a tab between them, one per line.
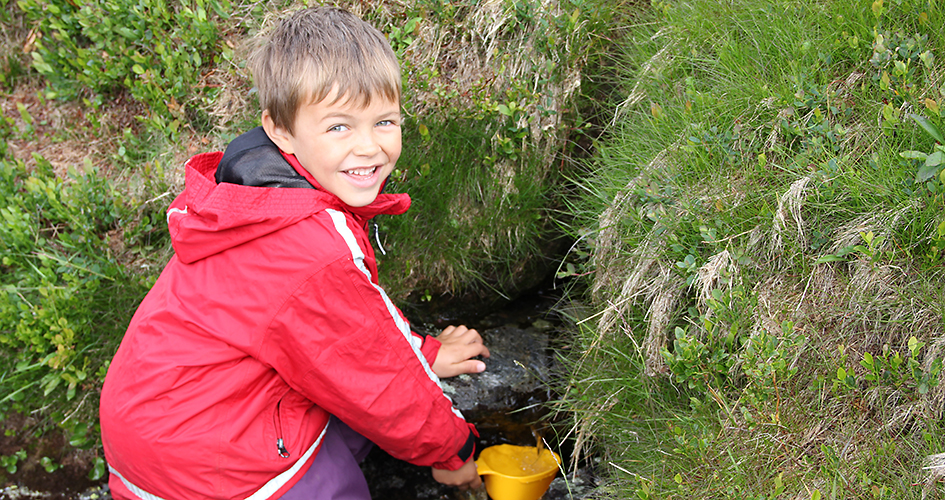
505	402
579	485
517	369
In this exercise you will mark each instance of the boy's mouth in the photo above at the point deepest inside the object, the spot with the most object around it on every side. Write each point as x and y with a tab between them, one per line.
362	172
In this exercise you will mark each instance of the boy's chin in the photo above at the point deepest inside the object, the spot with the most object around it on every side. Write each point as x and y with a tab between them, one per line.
360	199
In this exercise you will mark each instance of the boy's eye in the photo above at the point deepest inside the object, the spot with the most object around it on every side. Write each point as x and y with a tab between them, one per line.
338	128
386	123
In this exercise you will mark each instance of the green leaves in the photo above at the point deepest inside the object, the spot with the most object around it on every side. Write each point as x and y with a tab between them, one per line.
891	369
9	462
930	164
928	127
154	50
61	286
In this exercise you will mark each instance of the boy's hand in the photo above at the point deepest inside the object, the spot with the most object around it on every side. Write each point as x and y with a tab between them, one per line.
458	346
463	478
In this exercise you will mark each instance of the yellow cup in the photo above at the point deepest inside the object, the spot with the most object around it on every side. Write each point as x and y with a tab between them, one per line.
517	472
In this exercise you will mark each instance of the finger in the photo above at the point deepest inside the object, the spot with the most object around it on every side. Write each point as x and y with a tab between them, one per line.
470	366
469	333
447	331
468	336
473	350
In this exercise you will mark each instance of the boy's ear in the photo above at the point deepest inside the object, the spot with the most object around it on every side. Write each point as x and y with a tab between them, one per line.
277	134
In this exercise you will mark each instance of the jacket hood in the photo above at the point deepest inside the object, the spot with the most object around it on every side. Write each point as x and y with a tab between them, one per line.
209	217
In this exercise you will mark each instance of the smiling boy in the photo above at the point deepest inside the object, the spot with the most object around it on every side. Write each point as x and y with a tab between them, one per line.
349	148
266	358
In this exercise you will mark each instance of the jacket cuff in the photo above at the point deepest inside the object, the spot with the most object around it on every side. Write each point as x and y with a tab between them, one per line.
465	454
430	348
469	448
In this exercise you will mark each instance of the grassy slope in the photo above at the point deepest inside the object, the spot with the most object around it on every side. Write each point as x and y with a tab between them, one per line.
753	138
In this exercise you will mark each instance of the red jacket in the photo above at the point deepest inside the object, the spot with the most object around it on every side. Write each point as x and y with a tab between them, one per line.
268	319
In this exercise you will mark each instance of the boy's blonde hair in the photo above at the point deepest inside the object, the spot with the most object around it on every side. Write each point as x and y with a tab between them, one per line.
316	51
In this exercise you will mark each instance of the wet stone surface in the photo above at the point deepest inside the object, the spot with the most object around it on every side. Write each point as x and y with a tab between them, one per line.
505	403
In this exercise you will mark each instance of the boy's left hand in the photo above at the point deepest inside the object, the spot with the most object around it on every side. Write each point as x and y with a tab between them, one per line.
466	477
458	346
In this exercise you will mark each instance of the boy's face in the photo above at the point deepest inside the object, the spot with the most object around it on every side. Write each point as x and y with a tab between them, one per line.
349	150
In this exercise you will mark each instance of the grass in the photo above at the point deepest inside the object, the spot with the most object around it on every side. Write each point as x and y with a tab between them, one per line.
498	213
765	270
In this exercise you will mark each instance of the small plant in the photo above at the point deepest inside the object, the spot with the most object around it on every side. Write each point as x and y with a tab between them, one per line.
897	59
713	146
845	381
154	49
9	462
931	166
64	290
510	140
817	116
890	369
870	250
766	362
98	469
937	248
696	364
49	465
704	356
401	38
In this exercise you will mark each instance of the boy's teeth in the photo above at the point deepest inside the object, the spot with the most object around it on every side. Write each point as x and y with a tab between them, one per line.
362	171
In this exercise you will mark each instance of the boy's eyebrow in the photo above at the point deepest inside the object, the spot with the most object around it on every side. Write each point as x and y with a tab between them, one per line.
342	114
390	114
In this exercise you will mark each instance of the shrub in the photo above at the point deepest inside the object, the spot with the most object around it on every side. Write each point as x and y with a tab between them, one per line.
154	49
65	294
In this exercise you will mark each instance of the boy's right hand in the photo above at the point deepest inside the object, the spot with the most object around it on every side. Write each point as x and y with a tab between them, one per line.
458	345
463	478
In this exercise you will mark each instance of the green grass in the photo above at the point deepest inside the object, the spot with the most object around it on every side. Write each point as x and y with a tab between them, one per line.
754	239
470	229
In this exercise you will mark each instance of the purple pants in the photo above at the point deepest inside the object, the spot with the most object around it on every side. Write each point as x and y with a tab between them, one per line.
335	473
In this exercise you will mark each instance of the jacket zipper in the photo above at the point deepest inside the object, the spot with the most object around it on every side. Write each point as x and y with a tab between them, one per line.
277	421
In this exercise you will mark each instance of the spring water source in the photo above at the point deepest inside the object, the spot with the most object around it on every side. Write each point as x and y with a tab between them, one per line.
506	402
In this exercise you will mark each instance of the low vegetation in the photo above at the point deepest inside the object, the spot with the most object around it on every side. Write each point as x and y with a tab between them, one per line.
761	237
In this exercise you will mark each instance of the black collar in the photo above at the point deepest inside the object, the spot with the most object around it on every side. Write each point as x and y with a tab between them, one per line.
252	159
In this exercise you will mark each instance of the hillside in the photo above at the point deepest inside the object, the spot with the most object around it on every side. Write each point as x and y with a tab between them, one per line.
761	234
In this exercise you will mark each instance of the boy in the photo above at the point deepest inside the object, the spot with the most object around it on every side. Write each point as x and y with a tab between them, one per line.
266	358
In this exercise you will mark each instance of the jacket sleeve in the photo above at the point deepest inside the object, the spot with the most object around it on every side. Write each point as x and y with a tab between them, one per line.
340	342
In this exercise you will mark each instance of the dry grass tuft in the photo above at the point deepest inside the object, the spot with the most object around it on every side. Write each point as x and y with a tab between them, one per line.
654	65
718	272
661	312
789	216
610	256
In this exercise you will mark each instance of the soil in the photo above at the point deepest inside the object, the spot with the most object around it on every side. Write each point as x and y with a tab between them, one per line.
65	483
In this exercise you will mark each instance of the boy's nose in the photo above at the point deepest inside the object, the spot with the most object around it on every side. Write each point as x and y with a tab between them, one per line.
367	145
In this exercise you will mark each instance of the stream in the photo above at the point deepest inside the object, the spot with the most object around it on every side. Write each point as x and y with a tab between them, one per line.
506	403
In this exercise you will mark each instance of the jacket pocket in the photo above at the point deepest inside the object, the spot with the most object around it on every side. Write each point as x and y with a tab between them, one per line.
279	423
